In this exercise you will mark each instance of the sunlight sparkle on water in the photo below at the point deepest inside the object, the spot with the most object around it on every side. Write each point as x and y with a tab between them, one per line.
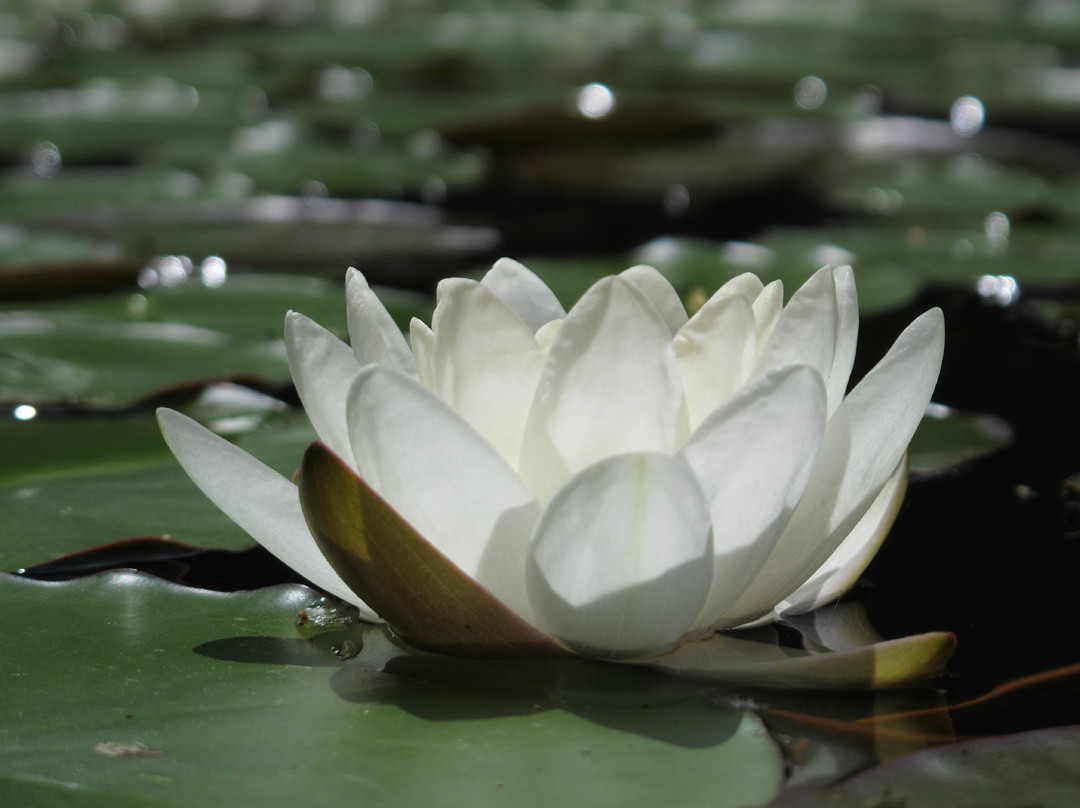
1000	289
967	115
997	229
810	92
24	412
213	271
595	101
45	159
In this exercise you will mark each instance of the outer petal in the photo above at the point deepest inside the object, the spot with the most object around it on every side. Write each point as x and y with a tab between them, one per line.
846	564
374	335
620	562
658	289
892	663
423	597
256	497
847	335
524	292
767	308
715	351
752	458
863	443
487	363
610	386
805	331
323	368
444	479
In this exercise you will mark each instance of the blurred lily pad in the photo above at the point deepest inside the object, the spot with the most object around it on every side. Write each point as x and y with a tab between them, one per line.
34	263
186	696
697	267
65	356
244	305
115	348
104	119
357	172
26	195
271	231
960	190
947	438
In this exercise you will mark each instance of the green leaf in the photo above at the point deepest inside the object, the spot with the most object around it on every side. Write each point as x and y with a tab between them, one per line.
947	438
114	348
35	264
418	591
1031	768
73	484
120	689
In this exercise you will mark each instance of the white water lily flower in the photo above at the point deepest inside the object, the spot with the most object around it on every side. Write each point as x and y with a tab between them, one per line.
621	481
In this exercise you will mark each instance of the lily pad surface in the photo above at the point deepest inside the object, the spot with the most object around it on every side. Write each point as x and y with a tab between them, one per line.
1030	768
947	438
129	691
112	349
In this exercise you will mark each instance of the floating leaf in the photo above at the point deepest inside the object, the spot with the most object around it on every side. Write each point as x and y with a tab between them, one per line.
125	690
947	438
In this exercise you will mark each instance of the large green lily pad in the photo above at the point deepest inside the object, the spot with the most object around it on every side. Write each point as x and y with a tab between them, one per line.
76	484
125	690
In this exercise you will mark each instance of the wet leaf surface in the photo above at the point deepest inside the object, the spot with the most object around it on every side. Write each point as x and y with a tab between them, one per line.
117	348
1032	768
328	714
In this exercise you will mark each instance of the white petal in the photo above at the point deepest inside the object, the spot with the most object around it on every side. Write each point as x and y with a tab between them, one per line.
610	386
863	443
715	351
487	363
847	335
545	337
444	479
767	308
520	289
323	368
374	335
752	458
843	627
621	559
805	331
257	498
422	342
747	284
843	568
658	289
737	660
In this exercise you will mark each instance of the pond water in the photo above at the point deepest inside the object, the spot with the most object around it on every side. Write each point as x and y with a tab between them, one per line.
175	176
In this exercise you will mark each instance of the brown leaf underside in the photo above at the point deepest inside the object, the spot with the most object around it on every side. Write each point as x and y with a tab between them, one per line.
420	593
